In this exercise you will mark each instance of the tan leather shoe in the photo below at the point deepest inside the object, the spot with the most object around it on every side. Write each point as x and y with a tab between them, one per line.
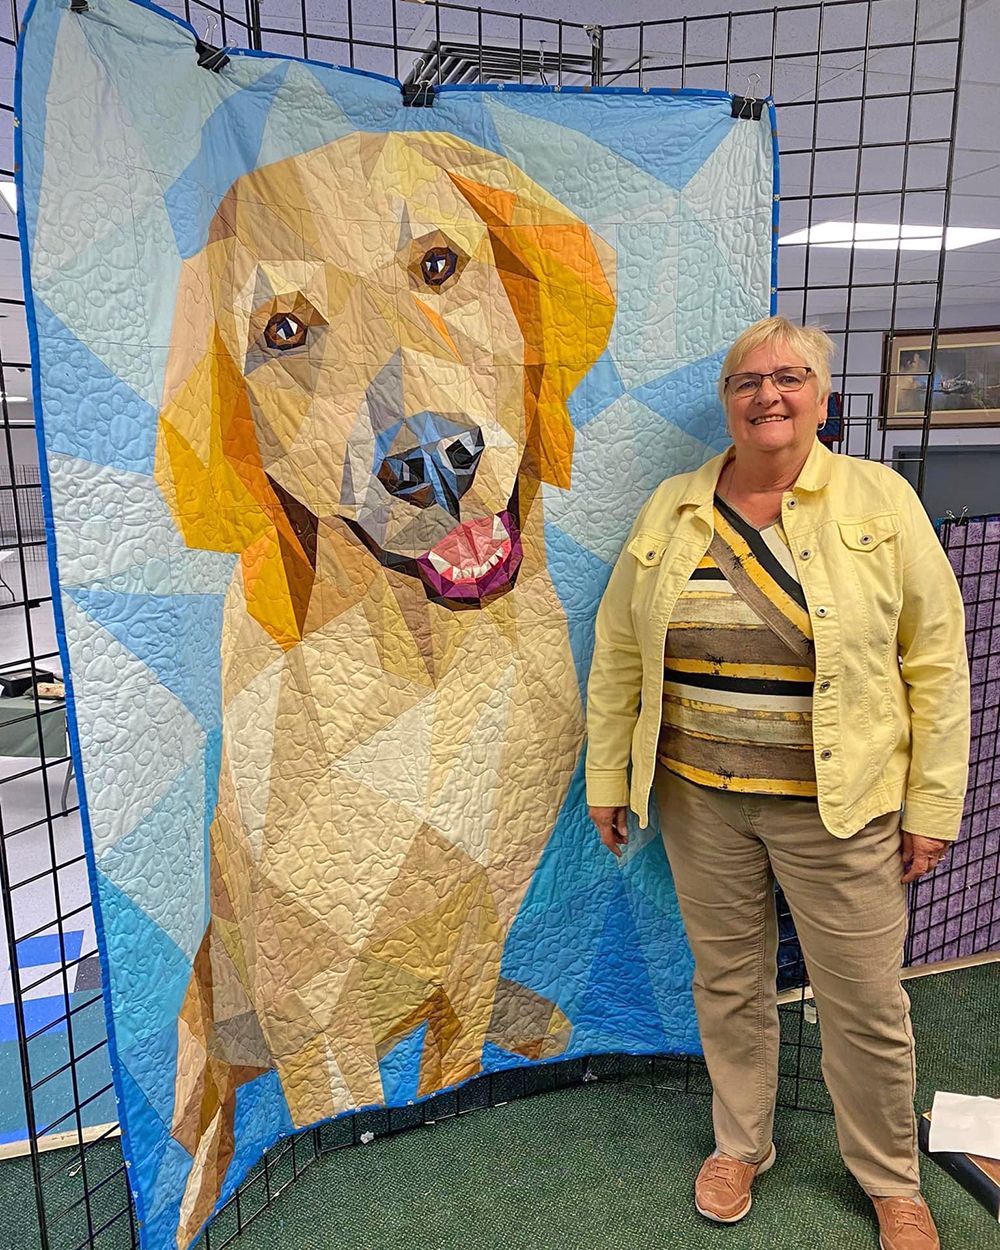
905	1224
722	1189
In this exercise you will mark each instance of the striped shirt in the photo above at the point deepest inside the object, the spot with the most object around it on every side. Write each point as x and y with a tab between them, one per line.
738	667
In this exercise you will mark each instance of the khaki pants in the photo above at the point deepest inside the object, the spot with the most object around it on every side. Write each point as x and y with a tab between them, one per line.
849	907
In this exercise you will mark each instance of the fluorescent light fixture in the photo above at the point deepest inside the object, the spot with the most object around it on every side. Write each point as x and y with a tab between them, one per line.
16	399
9	192
873	236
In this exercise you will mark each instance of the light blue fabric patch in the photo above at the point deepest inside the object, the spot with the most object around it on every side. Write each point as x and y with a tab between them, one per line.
89	411
162	860
686	398
175	635
401	1068
231	140
147	991
632	126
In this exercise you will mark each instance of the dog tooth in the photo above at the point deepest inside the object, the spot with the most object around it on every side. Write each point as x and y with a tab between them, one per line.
437	563
498	528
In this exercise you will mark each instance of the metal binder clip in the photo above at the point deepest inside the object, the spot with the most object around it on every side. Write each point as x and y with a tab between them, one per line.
541	63
748	107
79	6
419	92
209	57
962	519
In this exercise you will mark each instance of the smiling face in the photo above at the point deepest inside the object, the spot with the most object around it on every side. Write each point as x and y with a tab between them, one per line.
772	421
382	333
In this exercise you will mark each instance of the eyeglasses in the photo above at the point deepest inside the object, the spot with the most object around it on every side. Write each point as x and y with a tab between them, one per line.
789	378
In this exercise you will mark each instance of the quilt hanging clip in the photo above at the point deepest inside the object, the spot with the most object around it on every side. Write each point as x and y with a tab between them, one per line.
418	92
209	56
748	107
79	6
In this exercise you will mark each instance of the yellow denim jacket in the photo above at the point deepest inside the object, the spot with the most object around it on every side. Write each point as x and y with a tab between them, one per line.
891	699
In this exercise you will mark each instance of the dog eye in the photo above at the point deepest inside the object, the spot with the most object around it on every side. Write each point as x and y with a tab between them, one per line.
438	265
284	331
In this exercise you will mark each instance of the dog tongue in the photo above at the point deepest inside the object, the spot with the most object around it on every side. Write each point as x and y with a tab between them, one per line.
471	543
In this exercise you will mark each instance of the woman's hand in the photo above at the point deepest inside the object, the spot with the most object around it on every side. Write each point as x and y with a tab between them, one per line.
611	824
921	855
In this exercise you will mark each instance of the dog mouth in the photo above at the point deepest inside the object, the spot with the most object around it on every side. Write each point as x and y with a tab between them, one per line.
475	560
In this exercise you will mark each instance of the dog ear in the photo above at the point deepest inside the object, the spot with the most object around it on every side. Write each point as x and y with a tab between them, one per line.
558	277
208	464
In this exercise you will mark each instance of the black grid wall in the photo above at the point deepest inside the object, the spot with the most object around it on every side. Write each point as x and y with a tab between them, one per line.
867	94
955	912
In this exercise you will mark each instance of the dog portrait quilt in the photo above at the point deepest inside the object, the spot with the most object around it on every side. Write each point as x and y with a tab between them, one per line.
346	408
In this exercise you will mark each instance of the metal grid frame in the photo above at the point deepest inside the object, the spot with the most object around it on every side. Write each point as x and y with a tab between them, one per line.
80	1191
955	912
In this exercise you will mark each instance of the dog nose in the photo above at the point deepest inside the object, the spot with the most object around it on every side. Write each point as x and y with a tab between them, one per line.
437	471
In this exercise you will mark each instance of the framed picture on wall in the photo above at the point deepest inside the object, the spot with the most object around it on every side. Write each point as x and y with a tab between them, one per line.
965	385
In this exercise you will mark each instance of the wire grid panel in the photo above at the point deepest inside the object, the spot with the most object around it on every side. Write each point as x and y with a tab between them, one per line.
955	911
865	91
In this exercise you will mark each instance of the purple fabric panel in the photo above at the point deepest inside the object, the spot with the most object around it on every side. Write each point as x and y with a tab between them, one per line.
956	911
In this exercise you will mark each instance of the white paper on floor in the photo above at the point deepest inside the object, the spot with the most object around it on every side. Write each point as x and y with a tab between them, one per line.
965	1123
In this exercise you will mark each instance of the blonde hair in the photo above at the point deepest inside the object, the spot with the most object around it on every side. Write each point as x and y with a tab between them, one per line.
814	346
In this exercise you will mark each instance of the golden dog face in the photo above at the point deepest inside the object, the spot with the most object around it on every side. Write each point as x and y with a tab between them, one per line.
381	333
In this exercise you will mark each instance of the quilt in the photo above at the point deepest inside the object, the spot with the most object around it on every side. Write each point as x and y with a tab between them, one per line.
346	408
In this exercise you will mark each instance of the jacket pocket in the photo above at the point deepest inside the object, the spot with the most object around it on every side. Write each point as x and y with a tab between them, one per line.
865	569
868	533
648	548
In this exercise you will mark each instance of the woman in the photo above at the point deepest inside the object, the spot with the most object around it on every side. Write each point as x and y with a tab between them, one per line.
781	648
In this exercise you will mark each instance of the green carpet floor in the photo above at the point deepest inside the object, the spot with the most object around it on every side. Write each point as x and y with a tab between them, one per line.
603	1166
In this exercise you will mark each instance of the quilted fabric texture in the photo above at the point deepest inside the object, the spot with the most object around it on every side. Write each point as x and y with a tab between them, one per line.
347	408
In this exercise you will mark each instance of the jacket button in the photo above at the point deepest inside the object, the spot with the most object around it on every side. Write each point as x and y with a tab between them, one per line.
805	553
790	504
826	755
650	555
823	687
866	538
822	611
